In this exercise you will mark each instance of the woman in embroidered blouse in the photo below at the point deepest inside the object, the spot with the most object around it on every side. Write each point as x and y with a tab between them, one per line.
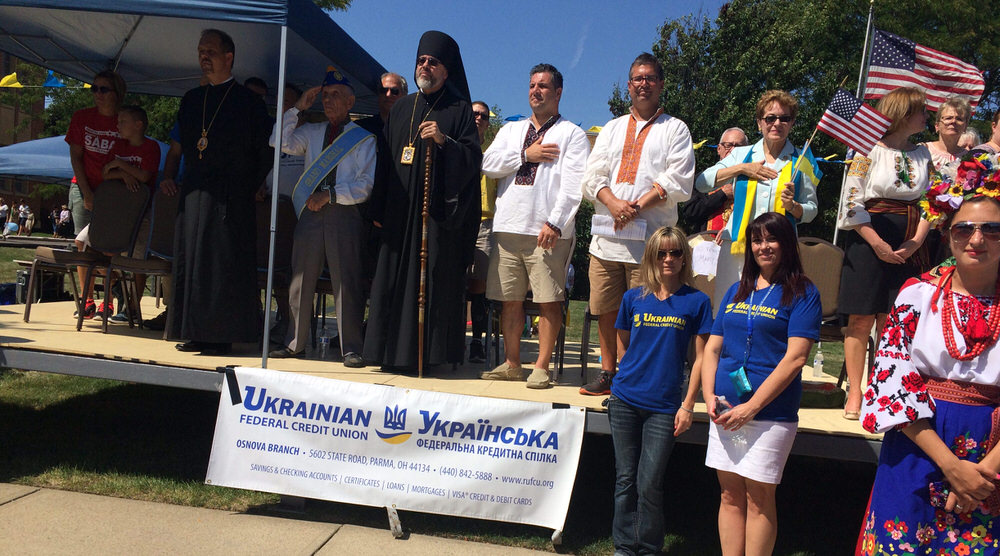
952	121
768	165
761	338
886	231
934	393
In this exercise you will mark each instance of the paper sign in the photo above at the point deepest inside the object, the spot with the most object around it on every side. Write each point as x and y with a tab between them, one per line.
705	258
603	225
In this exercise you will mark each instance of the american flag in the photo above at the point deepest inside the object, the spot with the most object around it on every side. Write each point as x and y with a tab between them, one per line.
853	122
898	62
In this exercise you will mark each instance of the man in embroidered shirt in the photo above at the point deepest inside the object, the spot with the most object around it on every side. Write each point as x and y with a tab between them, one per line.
642	165
330	227
539	164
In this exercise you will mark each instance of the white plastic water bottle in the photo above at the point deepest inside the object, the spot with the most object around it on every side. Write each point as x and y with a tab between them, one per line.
818	364
738	436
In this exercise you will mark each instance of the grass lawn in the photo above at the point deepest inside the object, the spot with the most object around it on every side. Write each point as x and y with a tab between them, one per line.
8	268
153	443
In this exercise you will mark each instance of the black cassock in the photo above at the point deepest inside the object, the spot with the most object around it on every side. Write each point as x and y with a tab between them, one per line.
397	200
215	294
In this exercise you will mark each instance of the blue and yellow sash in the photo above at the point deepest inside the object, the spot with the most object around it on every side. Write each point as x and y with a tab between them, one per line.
341	146
745	192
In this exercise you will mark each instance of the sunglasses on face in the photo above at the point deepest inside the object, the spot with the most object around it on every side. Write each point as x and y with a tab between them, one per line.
674	253
963	231
771	118
429	60
394	90
101	89
483	115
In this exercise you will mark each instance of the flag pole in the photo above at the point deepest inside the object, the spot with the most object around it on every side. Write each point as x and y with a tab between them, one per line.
862	79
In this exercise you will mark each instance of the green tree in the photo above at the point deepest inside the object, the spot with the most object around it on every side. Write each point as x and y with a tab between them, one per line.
31	76
717	69
340	5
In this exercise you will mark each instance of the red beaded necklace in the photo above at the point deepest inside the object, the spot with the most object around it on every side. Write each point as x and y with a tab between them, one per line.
977	332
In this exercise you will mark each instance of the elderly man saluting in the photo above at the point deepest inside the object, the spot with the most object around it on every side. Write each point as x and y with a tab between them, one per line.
340	171
642	165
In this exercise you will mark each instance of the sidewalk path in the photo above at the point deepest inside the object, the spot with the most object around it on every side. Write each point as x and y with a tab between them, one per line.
43	521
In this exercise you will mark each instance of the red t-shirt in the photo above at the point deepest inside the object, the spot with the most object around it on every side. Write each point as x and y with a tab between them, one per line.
146	156
97	135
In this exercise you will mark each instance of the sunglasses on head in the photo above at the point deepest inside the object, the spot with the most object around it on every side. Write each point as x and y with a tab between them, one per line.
771	118
101	89
394	90
963	231
674	253
429	60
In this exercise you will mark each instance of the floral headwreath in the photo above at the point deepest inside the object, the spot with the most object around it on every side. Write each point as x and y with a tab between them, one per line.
976	173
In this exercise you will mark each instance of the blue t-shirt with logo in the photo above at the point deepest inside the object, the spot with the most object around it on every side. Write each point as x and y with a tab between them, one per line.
651	373
773	323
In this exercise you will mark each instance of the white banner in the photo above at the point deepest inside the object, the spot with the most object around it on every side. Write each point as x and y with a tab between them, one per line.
377	445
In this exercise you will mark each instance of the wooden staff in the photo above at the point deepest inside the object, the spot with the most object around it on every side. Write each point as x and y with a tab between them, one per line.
422	297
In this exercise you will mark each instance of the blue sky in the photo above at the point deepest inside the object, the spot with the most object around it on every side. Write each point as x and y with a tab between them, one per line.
591	42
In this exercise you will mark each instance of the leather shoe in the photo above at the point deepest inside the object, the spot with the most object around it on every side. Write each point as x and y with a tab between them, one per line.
285	353
190	346
353	360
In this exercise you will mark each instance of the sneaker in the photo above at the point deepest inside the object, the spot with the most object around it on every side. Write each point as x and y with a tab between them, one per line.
90	309
539	379
119	318
504	371
476	352
108	306
599	387
159	322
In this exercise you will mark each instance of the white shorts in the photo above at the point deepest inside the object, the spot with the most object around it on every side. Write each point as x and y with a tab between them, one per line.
761	459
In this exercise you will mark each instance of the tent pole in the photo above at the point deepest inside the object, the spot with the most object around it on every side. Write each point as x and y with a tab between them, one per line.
276	168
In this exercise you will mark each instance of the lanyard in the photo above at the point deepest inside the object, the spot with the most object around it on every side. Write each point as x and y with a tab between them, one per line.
750	315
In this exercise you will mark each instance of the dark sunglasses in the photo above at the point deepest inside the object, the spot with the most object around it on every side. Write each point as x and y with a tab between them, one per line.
101	89
429	60
963	231
394	90
483	115
730	144
674	253
771	118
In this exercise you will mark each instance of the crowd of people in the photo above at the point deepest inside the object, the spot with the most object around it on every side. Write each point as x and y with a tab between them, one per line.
413	218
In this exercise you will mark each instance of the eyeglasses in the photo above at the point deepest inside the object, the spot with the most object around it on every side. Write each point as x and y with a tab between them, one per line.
771	118
101	89
429	60
730	144
963	231
483	115
674	253
394	90
640	79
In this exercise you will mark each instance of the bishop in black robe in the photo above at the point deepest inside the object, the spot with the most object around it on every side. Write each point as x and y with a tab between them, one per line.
216	299
391	338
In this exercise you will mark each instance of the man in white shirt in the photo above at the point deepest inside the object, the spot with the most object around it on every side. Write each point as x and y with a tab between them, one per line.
642	165
330	225
538	164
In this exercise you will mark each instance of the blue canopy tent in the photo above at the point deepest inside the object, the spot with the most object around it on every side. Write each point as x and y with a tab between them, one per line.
152	44
44	160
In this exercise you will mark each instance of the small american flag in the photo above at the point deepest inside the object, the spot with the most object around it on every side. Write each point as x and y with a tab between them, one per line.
898	62
853	122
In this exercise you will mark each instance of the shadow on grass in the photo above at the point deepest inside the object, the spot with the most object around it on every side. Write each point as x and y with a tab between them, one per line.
166	434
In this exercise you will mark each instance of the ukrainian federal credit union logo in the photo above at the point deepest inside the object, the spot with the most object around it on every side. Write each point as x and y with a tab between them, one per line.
395	420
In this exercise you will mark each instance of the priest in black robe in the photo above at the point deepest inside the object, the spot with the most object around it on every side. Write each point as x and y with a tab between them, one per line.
224	129
440	115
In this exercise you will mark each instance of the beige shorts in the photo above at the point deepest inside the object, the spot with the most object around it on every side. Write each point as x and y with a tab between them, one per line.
609	280
517	264
480	266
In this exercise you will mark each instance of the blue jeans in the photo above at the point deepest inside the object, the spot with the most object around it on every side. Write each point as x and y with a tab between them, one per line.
642	441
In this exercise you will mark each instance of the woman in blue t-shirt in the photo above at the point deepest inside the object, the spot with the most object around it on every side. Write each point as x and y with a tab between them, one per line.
656	323
762	335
